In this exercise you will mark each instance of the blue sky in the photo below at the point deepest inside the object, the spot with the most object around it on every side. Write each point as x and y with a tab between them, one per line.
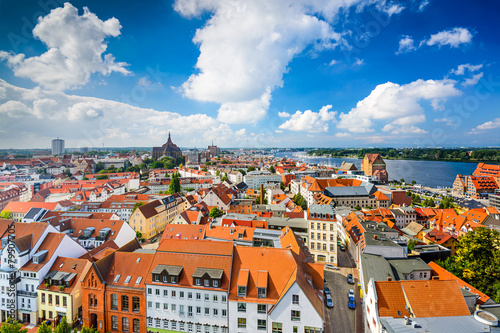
286	73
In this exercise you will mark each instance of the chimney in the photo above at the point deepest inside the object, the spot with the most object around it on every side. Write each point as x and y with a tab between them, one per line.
261	194
389	278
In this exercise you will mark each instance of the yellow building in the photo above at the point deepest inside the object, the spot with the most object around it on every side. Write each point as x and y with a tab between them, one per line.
152	218
60	294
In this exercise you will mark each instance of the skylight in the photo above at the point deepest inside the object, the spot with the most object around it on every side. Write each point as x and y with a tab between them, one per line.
138	280
127	280
117	278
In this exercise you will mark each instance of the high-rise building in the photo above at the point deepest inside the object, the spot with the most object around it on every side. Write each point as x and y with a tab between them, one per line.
214	151
57	146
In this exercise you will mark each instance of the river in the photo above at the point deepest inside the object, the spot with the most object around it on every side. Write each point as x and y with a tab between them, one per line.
427	173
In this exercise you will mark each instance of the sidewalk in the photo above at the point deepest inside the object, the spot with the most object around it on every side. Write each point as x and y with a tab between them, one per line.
359	310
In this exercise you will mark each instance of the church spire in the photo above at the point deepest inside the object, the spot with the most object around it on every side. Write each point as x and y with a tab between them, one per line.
169	139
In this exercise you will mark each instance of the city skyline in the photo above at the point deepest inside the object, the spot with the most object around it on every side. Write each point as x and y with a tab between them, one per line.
249	74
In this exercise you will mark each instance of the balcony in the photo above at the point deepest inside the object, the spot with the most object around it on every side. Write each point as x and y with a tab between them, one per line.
26	293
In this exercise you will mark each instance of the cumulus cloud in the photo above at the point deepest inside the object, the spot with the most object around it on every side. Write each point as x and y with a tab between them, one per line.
246	46
359	62
397	104
452	37
333	62
422	5
309	121
472	81
489	125
283	114
407	129
38	115
461	69
76	47
406	45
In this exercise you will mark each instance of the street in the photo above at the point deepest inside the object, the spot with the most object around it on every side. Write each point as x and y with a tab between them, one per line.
341	319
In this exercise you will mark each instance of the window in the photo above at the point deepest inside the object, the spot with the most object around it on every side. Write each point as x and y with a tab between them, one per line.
224	313
198	310
331	248
216	312
114	323
242	307
198	296
174	307
136	325
261	324
207	297
65	301
277	328
136	305
312	225
190	295
198	282
242	291
224	298
114	304
50	300
157	305
295	299
242	322
207	311
173	279
261	308
165	306
181	294
165	293
150	305
206	283
157	292
125	303
215	298
124	324
190	311
150	291
181	310
261	292
308	329
173	293
295	315
157	278
43	297
312	246
165	278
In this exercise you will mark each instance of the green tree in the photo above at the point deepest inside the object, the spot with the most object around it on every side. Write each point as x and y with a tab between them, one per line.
282	186
477	260
175	184
402	180
411	245
5	214
215	212
138	234
250	168
63	326
12	326
102	177
44	328
86	329
242	172
217	172
272	169
224	178
99	166
357	208
413	182
204	169
137	204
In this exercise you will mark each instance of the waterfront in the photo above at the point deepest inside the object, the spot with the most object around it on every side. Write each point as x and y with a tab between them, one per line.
427	173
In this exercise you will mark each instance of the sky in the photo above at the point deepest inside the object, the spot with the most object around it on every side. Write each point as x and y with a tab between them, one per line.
250	73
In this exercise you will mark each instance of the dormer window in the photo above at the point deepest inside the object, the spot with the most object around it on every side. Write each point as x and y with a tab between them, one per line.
157	278
173	279
261	292
198	282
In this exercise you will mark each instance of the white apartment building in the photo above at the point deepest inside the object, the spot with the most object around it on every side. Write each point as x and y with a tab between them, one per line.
254	179
322	233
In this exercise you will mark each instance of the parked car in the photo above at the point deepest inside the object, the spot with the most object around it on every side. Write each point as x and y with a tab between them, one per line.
352	302
327	291
342	248
329	300
350	279
152	240
329	266
351	293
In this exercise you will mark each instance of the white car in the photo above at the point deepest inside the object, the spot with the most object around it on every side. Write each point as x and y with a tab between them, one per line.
330	266
351	292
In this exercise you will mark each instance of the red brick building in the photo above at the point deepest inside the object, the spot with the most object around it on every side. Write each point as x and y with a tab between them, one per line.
114	295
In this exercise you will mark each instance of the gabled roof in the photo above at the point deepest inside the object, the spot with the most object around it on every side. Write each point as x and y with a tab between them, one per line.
129	264
196	246
35	229
50	244
74	269
149	210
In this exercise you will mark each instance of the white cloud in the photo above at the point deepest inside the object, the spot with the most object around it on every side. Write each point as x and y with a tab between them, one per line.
398	104
38	115
246	47
407	129
308	121
461	69
75	50
406	45
342	135
473	80
283	114
359	62
489	125
423	4
333	62
452	37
